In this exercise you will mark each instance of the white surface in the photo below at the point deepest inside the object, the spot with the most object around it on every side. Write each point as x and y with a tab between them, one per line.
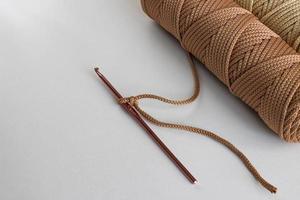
62	136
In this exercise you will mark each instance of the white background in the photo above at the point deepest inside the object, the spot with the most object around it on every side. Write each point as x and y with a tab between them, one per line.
62	135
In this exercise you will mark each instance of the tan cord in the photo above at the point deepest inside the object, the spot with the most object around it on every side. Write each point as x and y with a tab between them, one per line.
134	100
254	62
282	16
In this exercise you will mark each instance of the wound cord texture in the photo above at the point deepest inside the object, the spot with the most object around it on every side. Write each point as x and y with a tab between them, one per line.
282	16
255	63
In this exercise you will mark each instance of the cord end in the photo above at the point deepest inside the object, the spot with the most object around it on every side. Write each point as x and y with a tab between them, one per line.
273	190
270	187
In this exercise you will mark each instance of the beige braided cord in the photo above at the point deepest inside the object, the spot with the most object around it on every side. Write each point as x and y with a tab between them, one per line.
134	101
253	61
176	102
282	16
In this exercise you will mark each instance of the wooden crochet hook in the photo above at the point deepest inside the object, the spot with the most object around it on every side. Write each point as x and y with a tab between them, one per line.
135	115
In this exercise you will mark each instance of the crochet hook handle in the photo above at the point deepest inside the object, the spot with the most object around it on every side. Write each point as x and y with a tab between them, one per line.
132	111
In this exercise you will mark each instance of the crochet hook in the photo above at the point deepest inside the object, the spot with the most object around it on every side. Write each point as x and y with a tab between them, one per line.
135	115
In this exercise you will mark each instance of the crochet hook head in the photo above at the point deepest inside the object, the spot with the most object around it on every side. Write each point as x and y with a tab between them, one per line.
109	85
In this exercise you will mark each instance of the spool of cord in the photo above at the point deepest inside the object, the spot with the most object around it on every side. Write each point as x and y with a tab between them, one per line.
282	16
256	64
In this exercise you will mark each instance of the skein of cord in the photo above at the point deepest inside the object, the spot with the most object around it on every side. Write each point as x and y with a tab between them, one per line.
253	61
282	16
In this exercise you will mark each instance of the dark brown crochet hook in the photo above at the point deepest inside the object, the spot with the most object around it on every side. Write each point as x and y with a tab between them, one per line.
135	115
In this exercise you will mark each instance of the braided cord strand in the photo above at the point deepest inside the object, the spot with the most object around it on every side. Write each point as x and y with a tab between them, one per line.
282	16
134	101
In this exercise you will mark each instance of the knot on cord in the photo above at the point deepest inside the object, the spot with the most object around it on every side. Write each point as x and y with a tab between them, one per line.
133	101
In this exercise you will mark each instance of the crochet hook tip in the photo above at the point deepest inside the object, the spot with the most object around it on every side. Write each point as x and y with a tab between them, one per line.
96	69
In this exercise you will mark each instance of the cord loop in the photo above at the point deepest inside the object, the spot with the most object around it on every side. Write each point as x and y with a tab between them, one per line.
132	100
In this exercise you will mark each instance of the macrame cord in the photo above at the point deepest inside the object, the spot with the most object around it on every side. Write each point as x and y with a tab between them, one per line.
134	101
